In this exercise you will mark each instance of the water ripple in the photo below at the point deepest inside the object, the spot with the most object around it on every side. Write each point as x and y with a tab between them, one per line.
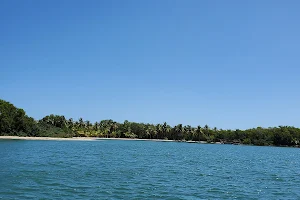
146	170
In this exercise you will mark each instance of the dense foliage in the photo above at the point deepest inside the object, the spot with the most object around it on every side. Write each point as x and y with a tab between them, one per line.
14	121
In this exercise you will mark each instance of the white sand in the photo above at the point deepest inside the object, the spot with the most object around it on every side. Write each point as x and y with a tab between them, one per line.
155	140
77	138
47	138
83	139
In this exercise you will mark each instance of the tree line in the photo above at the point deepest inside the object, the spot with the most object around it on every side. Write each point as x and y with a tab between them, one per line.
15	122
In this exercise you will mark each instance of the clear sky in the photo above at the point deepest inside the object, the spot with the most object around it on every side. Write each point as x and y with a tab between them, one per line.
230	64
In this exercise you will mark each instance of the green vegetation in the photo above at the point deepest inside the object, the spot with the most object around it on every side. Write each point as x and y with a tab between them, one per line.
15	122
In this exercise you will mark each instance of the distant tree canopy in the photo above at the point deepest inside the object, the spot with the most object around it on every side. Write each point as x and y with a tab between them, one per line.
14	121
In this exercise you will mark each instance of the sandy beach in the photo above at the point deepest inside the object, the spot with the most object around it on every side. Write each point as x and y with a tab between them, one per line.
47	138
78	139
93	139
154	140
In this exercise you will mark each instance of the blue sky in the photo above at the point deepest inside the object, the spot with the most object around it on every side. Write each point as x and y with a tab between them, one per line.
230	64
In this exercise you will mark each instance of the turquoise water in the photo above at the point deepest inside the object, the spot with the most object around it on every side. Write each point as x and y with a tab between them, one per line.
146	170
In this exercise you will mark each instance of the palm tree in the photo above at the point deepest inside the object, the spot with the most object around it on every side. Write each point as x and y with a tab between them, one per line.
113	126
164	129
88	125
70	123
158	131
148	134
96	125
76	125
178	131
199	132
81	123
152	131
189	132
168	130
206	130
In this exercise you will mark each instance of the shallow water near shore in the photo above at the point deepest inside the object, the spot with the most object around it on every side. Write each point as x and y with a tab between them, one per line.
114	169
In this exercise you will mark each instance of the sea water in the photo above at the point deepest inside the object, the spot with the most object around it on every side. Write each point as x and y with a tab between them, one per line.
146	170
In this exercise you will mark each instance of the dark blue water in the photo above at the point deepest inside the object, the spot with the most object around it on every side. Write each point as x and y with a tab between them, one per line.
146	170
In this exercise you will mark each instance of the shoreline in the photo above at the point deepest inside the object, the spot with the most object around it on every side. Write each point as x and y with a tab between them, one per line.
124	139
91	139
47	138
137	139
79	139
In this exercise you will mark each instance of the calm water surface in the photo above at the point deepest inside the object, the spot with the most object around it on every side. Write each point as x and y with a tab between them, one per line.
146	170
